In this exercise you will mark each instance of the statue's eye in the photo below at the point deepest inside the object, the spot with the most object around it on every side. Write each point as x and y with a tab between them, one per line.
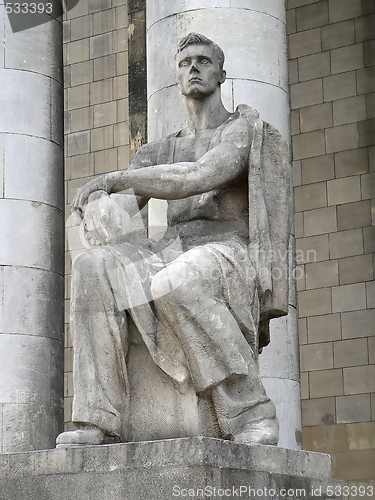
205	61
184	63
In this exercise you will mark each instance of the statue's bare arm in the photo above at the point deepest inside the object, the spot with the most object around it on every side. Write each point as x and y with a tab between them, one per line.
216	168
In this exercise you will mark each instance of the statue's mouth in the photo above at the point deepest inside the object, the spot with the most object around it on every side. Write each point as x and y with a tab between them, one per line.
194	79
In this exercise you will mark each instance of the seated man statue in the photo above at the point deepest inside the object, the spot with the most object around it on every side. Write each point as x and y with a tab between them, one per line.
203	311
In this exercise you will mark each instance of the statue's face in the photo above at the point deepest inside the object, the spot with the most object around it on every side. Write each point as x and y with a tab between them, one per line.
198	71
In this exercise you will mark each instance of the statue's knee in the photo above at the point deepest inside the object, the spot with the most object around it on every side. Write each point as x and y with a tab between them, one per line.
87	261
172	283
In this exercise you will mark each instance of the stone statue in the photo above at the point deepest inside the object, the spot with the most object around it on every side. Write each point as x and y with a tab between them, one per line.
202	297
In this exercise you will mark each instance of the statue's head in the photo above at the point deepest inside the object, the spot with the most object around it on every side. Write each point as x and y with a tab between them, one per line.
198	39
199	66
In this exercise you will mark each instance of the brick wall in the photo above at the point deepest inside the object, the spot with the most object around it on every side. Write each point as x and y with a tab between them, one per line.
332	84
96	111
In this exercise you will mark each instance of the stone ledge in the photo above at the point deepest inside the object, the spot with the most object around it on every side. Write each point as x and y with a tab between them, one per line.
148	470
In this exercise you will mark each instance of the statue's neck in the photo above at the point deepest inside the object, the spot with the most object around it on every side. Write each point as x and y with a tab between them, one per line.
207	113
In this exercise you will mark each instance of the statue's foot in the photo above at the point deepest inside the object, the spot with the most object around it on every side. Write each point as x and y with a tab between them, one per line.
261	432
85	436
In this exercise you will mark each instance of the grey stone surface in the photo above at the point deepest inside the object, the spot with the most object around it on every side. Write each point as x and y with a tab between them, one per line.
164	469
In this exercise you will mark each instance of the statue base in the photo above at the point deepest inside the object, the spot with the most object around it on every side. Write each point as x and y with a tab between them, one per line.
197	467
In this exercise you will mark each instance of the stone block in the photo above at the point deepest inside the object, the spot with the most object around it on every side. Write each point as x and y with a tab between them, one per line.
342	138
348	297
312	249
81	73
291	24
101	91
350	353
314	302
79	143
77	10
345	190
316	356
367	132
80	28
296	166
102	138
340	10
371	350
322	274
365	80
98	5
314	66
101	45
42	181
104	114
120	40
320	168
33	102
370	293
359	379
307	93
305	393
326	383
312	16
123	157
121	134
302	330
103	21
339	86
351	162
330	438
293	71
338	35
352	109
364	28
358	323
308	145
310	196
78	97
33	302
81	119
361	436
355	465
122	63
369	239
77	51
316	117
81	166
304	43
370	103
105	67
16	219
318	411
294	122
121	17
353	408
291	4
298	225
356	269
120	87
324	328
320	221
369	49
39	51
105	161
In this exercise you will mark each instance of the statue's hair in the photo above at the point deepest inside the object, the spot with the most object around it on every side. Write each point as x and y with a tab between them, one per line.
198	39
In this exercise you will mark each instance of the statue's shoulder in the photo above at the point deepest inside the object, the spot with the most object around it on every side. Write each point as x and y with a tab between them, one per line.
247	112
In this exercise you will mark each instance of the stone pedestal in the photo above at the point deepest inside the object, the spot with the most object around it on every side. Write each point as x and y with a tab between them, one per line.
162	470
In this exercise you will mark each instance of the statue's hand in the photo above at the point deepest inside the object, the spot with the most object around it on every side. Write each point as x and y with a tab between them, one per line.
81	198
104	219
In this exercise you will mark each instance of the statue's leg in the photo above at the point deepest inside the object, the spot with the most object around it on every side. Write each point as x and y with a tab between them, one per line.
195	295
99	334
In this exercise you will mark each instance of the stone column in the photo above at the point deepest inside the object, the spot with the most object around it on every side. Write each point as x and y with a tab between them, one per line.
253	36
32	235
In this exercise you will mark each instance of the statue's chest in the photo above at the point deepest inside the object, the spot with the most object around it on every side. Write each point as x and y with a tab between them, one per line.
192	148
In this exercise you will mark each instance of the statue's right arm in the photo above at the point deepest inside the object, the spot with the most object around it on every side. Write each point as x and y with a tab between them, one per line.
146	156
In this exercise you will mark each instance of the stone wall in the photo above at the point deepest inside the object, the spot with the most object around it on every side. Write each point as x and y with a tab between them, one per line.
332	57
96	111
